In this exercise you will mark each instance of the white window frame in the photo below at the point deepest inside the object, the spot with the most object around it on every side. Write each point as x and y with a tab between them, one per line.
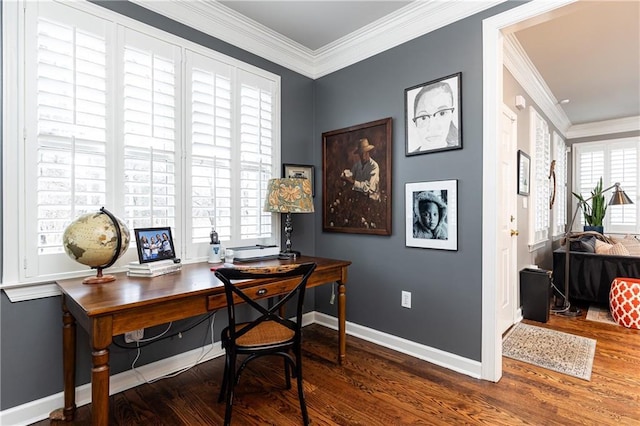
606	146
15	132
540	147
560	205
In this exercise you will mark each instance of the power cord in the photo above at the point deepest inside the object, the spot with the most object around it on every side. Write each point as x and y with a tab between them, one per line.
162	335
141	376
564	309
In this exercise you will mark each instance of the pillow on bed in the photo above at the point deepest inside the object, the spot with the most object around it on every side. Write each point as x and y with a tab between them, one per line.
602	247
618	249
584	245
631	244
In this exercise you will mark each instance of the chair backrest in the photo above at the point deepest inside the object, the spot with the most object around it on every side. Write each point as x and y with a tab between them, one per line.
286	281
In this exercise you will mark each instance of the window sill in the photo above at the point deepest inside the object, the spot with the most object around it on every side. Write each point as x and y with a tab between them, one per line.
31	292
536	246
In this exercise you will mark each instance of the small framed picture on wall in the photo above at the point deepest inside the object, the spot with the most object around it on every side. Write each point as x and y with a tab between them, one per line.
524	173
300	171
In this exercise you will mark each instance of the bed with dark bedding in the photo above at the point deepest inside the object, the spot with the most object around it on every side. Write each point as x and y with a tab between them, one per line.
594	262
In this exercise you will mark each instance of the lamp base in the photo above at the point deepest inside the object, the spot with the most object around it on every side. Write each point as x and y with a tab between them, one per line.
289	255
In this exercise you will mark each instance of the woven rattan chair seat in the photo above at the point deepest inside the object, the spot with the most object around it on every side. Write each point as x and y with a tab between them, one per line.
266	333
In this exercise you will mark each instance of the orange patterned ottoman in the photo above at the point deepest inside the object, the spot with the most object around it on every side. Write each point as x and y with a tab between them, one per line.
624	302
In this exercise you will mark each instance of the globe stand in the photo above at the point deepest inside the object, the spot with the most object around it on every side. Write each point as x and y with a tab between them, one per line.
99	278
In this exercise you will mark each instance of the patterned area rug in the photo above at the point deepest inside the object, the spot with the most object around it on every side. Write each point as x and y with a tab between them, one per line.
599	314
554	350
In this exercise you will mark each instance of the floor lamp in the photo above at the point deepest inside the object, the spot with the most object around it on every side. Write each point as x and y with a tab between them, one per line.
289	195
619	197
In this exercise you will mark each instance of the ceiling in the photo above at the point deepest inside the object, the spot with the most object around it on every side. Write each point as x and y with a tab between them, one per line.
331	21
587	52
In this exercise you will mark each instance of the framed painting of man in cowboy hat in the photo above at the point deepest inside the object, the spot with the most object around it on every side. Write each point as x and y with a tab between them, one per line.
356	179
431	215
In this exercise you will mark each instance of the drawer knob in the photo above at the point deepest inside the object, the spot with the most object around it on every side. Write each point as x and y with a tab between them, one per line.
261	292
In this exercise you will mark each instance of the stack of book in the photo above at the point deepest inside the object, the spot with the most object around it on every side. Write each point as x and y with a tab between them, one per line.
153	269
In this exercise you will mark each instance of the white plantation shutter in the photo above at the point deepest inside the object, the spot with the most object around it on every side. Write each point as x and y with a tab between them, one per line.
560	204
624	166
616	161
159	130
541	148
256	154
210	150
149	131
66	117
231	152
589	169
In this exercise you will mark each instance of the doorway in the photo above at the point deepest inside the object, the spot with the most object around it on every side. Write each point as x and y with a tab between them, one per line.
492	57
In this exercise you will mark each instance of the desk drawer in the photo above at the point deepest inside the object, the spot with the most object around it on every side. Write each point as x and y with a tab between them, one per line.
255	291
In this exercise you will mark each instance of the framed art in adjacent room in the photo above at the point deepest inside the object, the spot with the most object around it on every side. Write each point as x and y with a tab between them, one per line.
524	173
154	244
356	179
433	116
300	171
431	211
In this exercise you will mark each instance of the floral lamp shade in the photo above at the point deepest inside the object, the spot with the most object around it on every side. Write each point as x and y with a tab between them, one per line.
289	195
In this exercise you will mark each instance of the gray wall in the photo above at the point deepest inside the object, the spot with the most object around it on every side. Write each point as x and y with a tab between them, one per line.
446	285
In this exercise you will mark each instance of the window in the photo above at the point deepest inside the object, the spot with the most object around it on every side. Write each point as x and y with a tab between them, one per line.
560	204
159	130
539	220
616	161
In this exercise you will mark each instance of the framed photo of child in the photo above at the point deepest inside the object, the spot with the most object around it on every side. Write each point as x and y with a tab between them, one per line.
431	214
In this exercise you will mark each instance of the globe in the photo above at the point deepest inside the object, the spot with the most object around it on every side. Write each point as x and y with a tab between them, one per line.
96	240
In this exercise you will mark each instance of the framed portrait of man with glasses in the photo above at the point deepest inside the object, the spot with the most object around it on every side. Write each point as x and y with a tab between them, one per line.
434	116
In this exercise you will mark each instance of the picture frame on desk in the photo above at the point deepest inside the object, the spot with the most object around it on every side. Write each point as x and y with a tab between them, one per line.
154	244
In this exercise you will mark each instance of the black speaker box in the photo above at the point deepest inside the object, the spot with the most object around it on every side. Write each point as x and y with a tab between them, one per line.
535	294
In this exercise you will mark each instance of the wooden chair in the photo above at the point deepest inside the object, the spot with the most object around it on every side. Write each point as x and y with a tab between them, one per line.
269	334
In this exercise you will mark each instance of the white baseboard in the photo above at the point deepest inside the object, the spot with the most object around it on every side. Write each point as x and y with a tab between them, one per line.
435	356
37	410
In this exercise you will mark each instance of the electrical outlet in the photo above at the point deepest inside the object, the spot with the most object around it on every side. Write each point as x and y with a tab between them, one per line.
406	299
134	336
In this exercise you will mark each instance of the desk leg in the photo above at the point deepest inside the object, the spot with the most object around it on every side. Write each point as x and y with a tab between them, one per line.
342	316
102	328
69	362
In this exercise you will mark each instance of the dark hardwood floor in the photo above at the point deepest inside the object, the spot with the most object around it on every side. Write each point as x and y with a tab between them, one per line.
377	386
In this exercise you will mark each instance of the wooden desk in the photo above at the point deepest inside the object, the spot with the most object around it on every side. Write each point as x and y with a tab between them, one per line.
130	303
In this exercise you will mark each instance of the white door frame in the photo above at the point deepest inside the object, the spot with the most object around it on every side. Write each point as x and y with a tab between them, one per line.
491	351
508	280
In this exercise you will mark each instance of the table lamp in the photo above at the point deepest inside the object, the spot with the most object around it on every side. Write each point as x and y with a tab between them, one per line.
619	197
289	195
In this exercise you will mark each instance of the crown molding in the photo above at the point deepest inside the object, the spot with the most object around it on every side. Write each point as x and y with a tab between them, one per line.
518	63
221	22
608	127
414	20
